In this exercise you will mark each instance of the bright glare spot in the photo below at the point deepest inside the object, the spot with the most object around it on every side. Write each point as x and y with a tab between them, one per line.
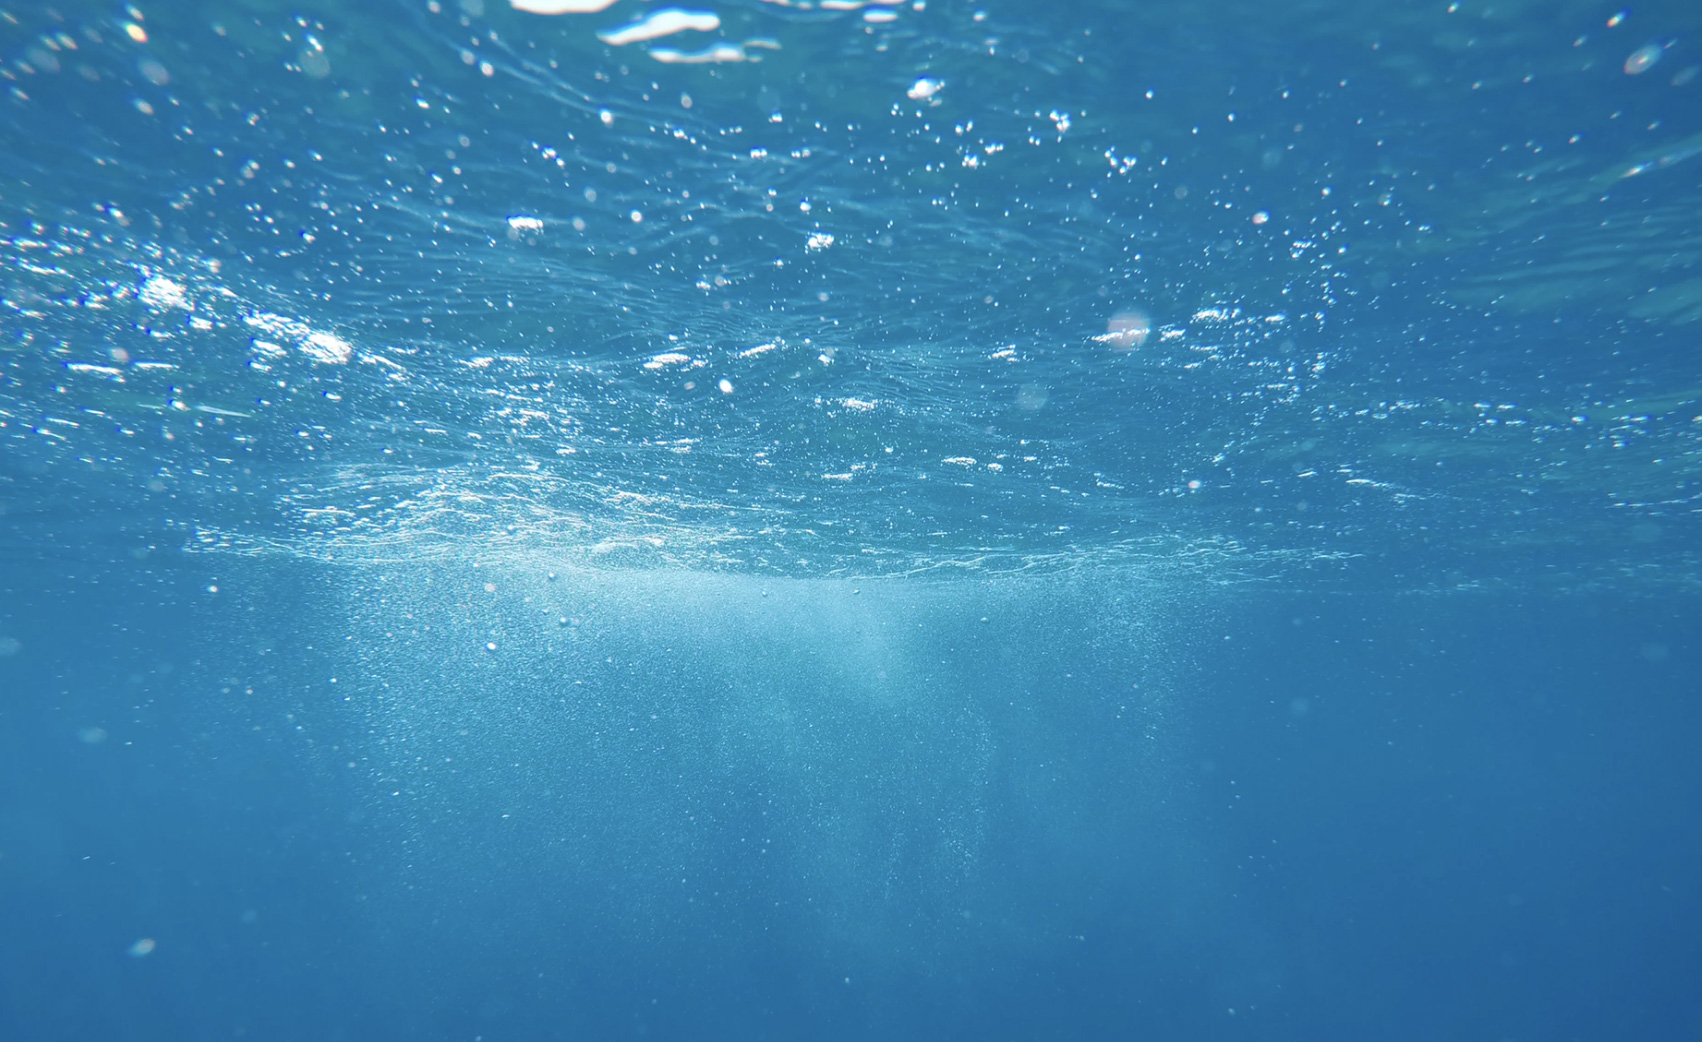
561	6
314	64
661	23
1643	59
725	384
1031	397
1127	330
141	947
135	32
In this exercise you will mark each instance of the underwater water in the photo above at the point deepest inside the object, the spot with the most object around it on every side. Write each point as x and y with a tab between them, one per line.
850	520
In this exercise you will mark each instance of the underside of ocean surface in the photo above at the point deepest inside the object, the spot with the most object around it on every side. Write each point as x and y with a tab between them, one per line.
850	519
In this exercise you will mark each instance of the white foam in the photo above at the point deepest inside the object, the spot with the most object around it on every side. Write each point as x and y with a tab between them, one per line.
716	54
923	89
162	294
321	347
331	350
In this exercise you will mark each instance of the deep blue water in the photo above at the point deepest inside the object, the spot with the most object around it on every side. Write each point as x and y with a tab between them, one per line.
990	521
1282	816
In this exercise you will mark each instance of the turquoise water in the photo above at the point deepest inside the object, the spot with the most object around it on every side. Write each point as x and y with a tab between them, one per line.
784	519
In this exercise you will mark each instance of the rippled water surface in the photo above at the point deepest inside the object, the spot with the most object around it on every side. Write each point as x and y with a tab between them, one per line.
861	288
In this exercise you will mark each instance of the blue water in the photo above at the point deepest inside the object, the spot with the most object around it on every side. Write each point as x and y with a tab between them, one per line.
893	521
